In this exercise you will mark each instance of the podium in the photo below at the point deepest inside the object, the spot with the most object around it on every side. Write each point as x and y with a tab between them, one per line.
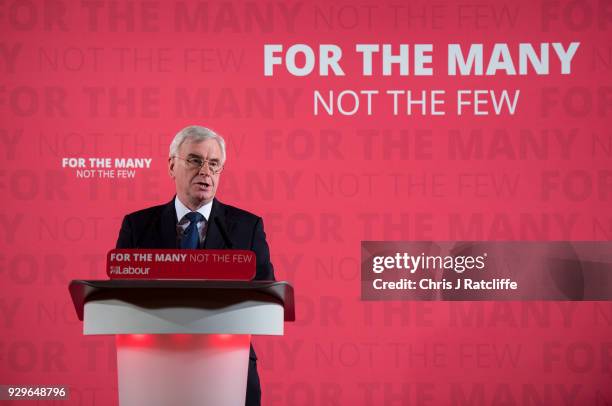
182	342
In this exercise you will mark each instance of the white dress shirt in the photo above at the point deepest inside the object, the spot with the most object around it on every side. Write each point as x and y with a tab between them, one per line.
183	223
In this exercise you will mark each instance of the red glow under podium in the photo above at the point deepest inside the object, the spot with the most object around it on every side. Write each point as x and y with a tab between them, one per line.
182	342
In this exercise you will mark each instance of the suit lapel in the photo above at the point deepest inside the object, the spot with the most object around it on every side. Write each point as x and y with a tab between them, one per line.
214	237
168	226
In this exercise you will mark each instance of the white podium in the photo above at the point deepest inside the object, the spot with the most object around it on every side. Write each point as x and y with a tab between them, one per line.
182	343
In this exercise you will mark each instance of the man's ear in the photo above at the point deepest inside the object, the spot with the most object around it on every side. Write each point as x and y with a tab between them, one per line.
171	167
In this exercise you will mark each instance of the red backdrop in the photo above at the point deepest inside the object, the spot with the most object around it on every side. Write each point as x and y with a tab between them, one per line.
119	79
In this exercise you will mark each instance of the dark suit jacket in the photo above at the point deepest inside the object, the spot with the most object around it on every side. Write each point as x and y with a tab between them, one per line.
228	227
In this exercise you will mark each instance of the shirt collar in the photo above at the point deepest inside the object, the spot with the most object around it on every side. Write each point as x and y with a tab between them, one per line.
181	209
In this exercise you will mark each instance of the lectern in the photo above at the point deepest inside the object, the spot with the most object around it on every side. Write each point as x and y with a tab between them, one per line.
182	343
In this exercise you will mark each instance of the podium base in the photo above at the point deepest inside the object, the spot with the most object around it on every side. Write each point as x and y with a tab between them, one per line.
182	369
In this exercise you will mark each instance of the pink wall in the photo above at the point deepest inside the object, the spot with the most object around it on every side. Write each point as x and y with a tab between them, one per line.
119	79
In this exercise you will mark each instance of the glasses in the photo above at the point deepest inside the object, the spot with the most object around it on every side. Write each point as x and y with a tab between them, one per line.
197	163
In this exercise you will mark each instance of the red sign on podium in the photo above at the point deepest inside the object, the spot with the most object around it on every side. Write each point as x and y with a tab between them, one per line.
180	264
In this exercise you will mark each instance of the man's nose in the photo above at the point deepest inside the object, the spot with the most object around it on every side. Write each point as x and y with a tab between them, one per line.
205	169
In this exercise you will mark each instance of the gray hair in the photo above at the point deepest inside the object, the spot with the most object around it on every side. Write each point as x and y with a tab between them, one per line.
196	133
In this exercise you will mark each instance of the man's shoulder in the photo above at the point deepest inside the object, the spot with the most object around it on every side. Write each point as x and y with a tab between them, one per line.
147	213
237	213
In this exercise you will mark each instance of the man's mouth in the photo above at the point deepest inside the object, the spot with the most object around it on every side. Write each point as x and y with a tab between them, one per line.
203	184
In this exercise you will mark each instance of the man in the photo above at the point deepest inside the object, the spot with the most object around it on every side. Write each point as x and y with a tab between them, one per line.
195	219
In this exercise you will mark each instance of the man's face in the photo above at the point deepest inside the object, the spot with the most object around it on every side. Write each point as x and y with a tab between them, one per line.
195	187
